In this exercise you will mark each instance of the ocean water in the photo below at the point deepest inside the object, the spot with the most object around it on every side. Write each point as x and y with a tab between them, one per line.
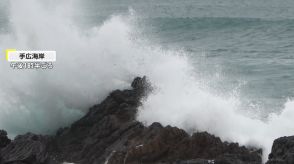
226	67
247	42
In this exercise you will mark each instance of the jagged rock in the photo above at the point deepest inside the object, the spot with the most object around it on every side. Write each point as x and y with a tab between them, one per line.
28	148
282	151
157	144
109	133
4	140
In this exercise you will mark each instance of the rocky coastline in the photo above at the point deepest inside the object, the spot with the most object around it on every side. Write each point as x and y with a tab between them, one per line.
110	134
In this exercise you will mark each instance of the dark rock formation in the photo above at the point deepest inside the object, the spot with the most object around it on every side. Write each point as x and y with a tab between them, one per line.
109	134
28	148
4	140
282	151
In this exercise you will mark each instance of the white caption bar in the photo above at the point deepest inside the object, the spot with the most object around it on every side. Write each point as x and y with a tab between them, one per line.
31	56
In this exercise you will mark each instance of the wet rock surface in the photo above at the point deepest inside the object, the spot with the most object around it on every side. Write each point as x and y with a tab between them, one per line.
282	151
109	134
4	140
